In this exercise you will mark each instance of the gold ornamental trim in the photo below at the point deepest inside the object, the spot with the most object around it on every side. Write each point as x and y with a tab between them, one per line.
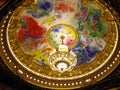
23	65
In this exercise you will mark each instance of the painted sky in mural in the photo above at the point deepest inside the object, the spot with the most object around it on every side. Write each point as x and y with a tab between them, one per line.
61	16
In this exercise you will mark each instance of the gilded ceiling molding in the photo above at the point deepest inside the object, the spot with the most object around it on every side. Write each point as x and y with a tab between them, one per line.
61	44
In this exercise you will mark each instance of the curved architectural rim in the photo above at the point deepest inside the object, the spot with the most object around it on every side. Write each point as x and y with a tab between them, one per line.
47	83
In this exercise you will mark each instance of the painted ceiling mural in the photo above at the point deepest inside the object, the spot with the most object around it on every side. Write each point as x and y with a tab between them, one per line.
66	19
66	42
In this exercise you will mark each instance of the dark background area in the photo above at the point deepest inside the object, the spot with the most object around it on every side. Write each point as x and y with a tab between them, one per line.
9	81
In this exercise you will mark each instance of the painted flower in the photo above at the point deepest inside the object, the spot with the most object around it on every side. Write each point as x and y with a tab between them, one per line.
86	32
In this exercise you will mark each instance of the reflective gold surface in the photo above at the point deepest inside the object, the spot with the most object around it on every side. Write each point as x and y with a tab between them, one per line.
87	73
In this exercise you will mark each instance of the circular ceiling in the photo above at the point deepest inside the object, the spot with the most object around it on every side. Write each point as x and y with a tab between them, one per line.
61	44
